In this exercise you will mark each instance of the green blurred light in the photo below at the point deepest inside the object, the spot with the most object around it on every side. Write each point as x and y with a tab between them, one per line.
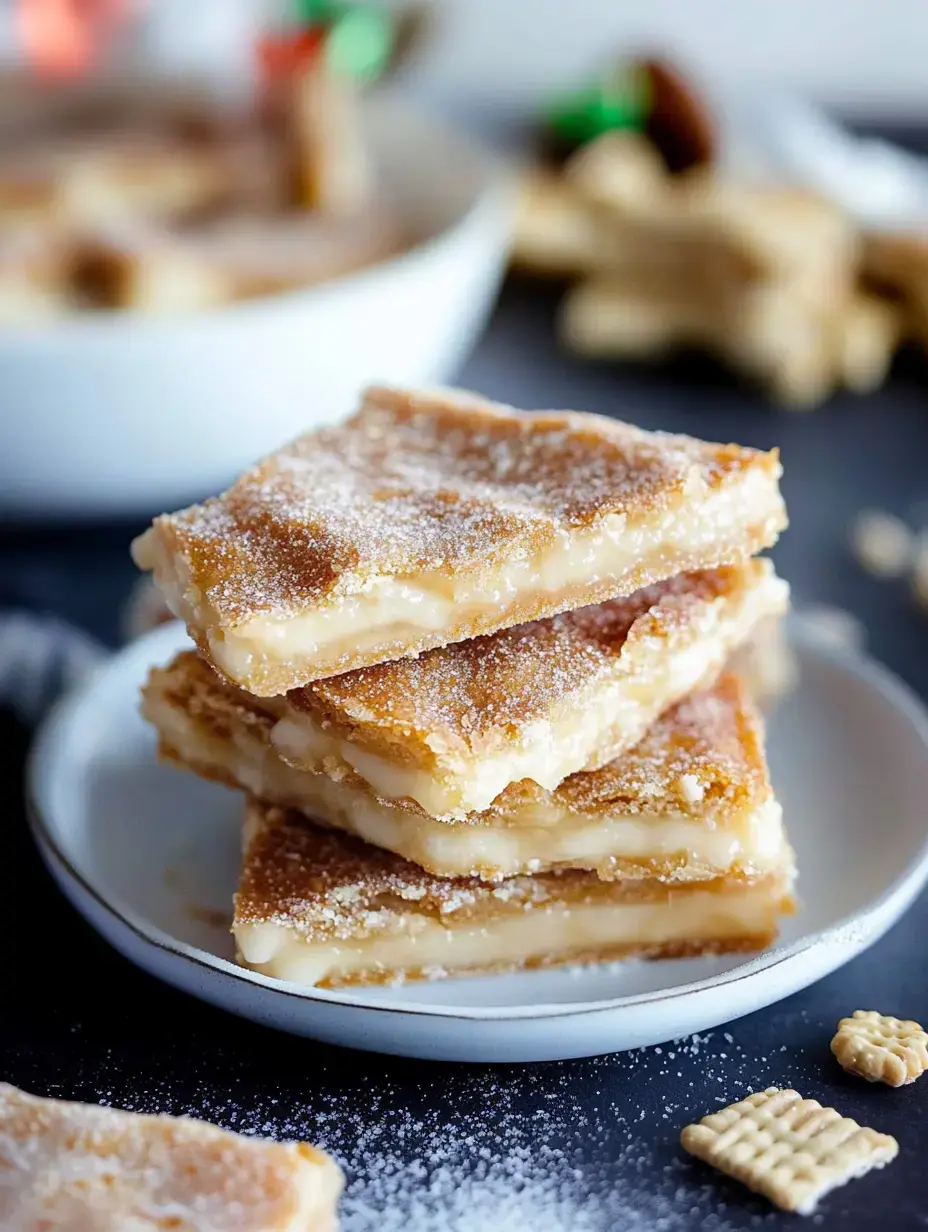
316	12
360	43
621	100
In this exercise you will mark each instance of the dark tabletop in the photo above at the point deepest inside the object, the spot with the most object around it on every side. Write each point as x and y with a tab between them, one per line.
77	1020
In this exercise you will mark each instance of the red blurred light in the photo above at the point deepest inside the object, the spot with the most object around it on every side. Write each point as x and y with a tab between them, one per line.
282	55
61	38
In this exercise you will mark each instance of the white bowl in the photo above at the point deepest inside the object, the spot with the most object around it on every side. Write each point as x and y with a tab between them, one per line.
115	414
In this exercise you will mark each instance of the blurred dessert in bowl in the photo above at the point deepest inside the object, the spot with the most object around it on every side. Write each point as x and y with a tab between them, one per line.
122	186
185	283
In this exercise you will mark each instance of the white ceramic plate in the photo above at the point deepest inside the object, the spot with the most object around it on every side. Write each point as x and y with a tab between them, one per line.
149	855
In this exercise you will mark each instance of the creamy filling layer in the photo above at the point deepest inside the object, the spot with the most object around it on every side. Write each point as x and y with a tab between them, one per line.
547	750
555	933
532	839
525	840
391	610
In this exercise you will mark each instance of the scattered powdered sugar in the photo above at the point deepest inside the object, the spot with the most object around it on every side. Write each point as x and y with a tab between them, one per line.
457	1184
566	1147
464	1177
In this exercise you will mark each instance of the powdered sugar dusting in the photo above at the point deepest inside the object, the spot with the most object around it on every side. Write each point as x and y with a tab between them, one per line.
558	1148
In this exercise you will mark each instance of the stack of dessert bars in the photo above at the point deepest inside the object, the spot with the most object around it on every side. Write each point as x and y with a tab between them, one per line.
468	665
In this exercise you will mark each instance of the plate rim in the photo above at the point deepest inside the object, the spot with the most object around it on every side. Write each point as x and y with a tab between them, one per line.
904	888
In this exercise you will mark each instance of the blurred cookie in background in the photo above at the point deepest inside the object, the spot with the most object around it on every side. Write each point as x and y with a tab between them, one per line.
662	250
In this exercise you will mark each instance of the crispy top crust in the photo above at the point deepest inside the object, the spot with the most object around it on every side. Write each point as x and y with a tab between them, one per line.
94	1167
436	482
703	759
461	698
329	886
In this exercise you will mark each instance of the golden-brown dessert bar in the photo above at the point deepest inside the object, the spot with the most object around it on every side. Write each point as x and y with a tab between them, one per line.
83	1168
691	800
314	907
431	517
454	727
330	160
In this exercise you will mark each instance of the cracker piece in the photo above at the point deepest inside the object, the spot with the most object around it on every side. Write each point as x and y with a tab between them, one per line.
880	1048
790	1149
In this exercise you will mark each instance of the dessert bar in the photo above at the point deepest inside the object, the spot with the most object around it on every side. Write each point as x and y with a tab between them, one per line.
91	1169
432	517
162	270
315	907
454	727
691	800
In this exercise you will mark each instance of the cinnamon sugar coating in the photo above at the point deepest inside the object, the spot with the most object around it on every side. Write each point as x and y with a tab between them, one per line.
69	1165
439	487
475	695
702	759
435	483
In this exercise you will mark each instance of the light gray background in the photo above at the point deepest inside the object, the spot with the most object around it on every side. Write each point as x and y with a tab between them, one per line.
866	54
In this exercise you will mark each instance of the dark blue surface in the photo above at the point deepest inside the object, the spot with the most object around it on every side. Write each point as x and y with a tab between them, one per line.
91	1026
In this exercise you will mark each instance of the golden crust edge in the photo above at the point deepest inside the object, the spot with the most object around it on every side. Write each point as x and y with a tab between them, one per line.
271	680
